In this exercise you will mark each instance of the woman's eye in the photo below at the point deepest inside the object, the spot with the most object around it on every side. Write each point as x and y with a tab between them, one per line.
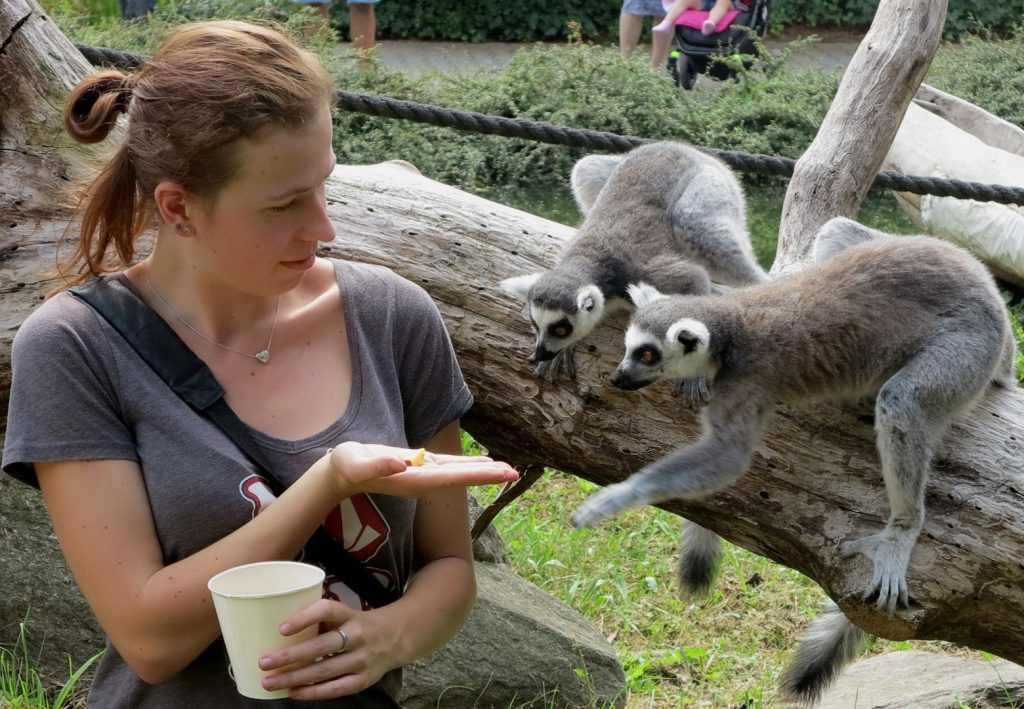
283	207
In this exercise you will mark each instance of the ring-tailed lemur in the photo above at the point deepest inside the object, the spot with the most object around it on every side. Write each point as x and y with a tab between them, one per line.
915	321
665	214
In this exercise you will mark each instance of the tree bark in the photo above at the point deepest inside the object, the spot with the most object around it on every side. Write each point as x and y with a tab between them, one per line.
815	480
834	174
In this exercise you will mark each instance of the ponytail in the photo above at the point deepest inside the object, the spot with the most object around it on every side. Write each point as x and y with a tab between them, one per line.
113	212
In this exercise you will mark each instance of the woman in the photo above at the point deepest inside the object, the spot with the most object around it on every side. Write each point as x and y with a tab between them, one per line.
227	148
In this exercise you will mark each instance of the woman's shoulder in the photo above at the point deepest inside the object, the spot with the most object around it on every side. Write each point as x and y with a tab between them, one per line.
378	282
61	318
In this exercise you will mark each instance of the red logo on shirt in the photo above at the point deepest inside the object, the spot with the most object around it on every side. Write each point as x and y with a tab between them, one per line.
356	523
358	526
257	491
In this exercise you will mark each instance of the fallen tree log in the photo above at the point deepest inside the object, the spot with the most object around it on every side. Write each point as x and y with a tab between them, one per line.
929	144
815	481
986	127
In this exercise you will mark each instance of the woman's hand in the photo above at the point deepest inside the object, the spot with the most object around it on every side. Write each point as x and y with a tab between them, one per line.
352	652
361	467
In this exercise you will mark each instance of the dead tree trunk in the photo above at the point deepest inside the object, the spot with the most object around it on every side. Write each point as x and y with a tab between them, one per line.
834	174
815	480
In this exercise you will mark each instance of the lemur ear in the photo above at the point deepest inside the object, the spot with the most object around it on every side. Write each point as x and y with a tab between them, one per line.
589	175
519	286
688	340
690	334
588	298
642	294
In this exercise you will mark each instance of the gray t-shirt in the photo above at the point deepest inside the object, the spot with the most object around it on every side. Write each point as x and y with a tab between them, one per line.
79	392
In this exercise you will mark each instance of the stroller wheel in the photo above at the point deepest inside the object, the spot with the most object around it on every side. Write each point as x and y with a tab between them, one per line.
685	73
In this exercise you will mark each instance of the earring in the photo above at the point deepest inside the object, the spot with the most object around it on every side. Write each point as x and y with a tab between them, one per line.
184	228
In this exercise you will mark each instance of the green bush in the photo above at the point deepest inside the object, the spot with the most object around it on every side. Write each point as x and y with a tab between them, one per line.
962	17
492	19
582	86
986	72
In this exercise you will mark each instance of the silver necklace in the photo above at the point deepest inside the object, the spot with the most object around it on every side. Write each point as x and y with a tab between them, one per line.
263	356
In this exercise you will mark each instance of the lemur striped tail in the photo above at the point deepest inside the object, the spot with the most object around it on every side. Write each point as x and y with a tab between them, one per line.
831	643
698	563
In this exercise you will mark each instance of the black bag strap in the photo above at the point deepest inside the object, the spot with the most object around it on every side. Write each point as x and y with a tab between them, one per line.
189	377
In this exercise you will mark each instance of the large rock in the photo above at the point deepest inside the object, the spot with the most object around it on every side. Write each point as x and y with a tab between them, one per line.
924	680
36	587
519	646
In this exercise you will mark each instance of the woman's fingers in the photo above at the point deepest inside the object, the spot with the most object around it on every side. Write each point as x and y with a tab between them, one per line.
425	479
388	470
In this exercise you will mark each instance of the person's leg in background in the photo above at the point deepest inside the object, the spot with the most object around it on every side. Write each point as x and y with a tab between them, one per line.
630	27
631	24
661	44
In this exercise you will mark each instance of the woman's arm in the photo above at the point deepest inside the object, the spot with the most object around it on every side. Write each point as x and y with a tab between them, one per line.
160	617
434	607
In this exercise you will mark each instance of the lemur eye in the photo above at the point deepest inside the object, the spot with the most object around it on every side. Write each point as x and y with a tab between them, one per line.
647	355
560	329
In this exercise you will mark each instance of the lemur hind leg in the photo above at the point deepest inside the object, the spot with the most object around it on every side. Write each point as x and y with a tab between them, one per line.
720	243
912	412
677	276
732	429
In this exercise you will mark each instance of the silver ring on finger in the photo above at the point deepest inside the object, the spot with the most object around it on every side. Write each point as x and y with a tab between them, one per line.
344	640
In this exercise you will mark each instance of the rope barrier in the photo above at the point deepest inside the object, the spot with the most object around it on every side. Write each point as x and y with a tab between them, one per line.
472	121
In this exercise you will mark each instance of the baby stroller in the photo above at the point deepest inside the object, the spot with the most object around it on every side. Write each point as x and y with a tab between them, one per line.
692	51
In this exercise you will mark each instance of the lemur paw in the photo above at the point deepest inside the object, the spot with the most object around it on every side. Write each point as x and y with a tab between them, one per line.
890	552
694	392
605	503
563	363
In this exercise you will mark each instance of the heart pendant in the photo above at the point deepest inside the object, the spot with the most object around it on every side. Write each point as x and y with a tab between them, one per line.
263	356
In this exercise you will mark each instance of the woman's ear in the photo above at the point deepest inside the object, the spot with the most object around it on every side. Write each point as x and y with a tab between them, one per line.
173	206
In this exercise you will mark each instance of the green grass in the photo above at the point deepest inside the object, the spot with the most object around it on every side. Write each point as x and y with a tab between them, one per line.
92	10
724	651
22	687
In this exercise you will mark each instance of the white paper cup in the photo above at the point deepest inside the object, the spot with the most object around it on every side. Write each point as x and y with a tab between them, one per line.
251	602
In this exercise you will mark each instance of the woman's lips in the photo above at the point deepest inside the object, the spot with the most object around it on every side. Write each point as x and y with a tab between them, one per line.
302	265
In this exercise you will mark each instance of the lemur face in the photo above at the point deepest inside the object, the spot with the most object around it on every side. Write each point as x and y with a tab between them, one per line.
558	328
560	313
681	353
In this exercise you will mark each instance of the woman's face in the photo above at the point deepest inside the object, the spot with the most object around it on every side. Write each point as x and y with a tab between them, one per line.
262	232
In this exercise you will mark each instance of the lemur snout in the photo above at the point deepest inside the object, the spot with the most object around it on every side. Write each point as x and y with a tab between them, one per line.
622	380
541	354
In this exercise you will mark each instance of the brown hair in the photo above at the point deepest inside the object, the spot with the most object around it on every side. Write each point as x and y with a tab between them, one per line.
209	85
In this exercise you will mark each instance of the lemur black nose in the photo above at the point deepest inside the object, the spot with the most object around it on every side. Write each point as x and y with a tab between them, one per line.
541	354
623	381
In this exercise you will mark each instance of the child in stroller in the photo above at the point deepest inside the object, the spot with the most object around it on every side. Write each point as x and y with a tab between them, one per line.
725	27
716	10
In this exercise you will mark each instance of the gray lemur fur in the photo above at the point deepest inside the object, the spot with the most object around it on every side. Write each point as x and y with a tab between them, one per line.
916	322
665	214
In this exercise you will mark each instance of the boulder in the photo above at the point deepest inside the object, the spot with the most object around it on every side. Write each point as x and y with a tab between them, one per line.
520	647
37	589
926	680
